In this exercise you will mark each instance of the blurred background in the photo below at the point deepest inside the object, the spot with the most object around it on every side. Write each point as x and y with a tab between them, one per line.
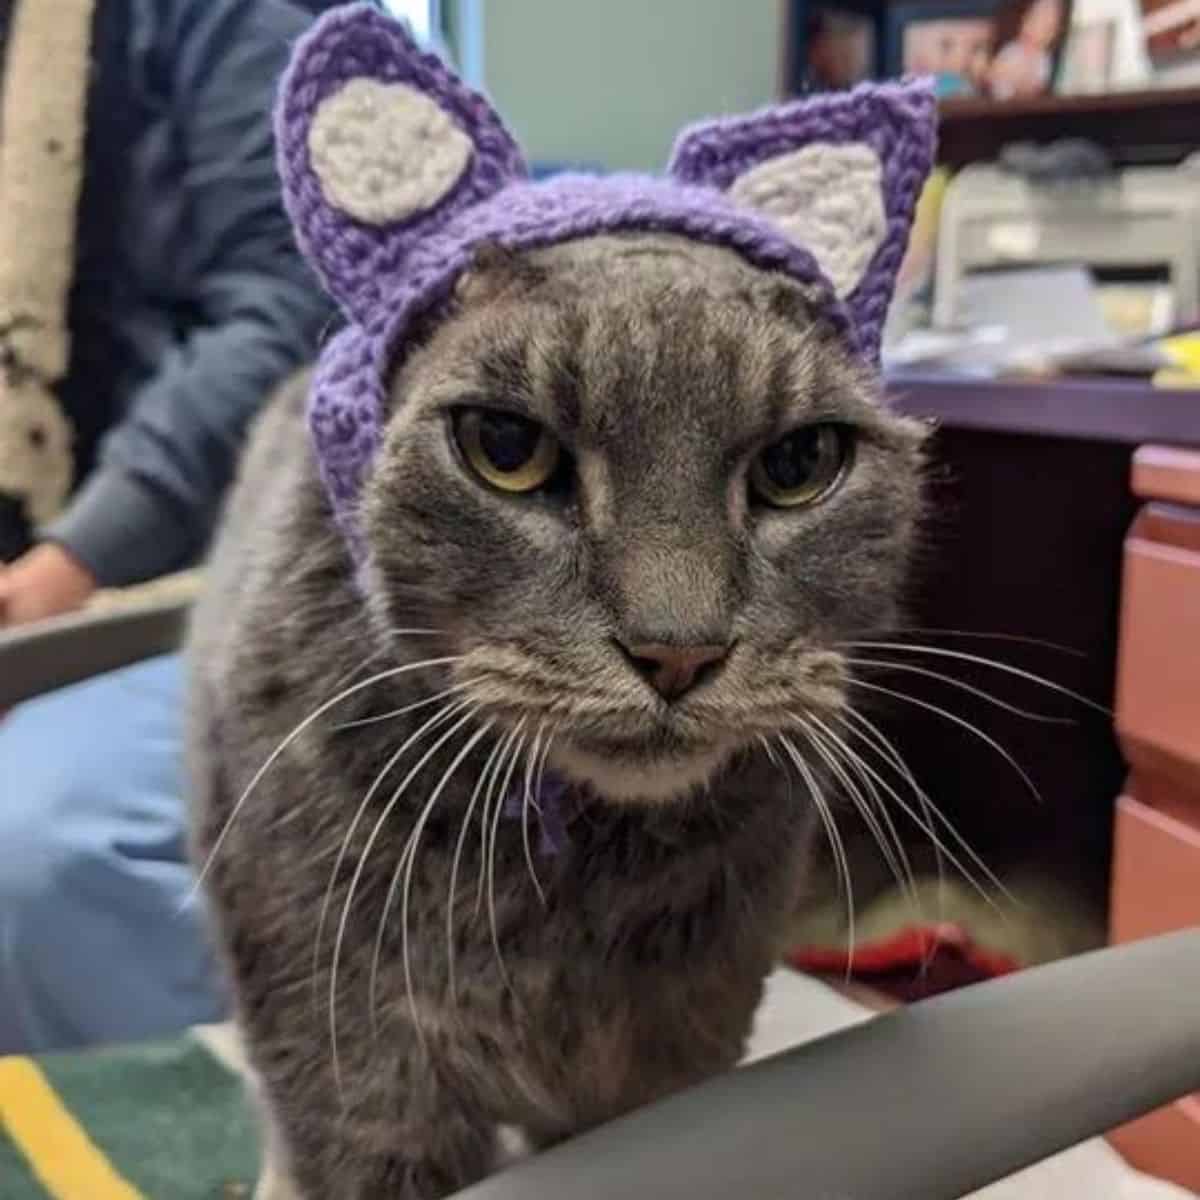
1046	689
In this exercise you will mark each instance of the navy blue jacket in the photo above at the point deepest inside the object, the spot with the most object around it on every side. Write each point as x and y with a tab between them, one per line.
190	302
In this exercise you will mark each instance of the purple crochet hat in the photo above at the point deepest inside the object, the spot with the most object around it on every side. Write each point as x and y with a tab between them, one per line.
395	173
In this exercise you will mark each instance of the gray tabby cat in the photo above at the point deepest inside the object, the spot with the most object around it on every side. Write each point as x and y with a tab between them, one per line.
503	809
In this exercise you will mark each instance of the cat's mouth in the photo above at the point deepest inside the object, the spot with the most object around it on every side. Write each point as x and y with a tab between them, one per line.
656	768
613	739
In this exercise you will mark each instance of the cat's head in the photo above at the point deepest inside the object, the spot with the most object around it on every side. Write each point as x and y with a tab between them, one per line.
619	439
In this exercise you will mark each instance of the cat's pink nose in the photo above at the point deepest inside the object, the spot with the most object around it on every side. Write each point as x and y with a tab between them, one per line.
674	670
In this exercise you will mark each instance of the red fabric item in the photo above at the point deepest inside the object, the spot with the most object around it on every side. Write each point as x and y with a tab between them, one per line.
915	962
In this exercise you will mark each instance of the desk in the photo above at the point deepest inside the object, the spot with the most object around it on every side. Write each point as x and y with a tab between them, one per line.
1067	511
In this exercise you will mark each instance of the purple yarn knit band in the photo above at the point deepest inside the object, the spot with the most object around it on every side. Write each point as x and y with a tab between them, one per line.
387	271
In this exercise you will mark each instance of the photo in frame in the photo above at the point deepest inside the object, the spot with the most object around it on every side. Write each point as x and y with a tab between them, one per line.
1005	50
1089	59
839	47
1172	32
1028	40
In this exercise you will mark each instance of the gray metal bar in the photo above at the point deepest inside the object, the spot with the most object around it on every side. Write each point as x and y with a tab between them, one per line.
928	1103
51	654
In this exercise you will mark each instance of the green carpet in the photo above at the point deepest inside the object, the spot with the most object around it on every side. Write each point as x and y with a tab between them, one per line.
164	1121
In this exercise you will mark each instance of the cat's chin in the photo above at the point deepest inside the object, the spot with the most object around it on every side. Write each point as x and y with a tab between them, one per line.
647	778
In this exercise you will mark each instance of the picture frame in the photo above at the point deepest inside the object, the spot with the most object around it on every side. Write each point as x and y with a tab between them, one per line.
1089	58
1171	29
987	49
1028	41
943	39
840	47
827	44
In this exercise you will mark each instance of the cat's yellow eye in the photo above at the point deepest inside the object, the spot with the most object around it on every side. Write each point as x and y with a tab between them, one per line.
510	452
802	466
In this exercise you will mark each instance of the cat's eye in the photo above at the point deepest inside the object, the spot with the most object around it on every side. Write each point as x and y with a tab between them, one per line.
803	466
510	452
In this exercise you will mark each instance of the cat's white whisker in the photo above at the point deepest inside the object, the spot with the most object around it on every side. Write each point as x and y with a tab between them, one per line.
273	758
373	837
984	636
829	745
452	892
439	718
406	863
960	684
981	661
493	923
931	833
345	677
526	803
836	845
863	728
541	774
769	751
485	825
395	713
485	817
964	724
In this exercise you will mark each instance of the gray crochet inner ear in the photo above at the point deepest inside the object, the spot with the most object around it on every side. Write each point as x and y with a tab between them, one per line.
827	198
385	152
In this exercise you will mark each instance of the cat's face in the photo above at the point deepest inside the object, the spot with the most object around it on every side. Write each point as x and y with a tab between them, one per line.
645	495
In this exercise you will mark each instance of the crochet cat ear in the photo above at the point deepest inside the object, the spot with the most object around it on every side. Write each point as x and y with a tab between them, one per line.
379	146
840	175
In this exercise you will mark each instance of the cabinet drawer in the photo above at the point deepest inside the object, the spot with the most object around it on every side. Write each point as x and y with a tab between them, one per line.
1167	473
1158	670
1156	889
1166	1143
1156	872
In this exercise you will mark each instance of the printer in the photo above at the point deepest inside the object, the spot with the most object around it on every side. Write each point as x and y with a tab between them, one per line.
1139	223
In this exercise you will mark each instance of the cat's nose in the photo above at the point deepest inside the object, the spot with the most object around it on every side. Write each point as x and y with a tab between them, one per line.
674	670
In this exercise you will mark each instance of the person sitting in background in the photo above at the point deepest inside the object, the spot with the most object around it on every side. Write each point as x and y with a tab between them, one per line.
150	300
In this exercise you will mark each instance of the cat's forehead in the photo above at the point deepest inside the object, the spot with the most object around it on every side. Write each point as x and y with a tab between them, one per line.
609	337
633	270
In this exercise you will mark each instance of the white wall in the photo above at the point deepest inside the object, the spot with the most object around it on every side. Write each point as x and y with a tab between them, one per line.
610	81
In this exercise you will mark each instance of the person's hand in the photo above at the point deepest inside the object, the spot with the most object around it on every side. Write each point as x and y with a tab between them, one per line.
45	582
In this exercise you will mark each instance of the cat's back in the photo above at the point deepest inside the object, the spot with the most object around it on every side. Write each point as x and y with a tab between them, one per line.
276	566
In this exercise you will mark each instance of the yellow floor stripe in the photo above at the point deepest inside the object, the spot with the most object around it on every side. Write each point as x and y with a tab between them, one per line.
63	1157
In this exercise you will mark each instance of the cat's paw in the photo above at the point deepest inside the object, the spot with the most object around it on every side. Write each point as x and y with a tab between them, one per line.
274	1184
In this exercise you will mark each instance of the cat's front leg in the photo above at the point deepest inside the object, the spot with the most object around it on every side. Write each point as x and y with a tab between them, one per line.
274	1178
273	1184
425	1156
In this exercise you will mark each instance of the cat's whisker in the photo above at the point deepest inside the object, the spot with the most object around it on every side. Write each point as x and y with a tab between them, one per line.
394	713
493	922
830	746
485	816
878	741
769	751
931	832
981	661
439	718
960	684
985	635
964	724
526	803
388	809
836	845
541	773
379	652
452	895
843	763
406	863
346	676
273	758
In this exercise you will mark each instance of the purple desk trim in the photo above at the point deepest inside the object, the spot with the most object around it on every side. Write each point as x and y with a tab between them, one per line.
1101	409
